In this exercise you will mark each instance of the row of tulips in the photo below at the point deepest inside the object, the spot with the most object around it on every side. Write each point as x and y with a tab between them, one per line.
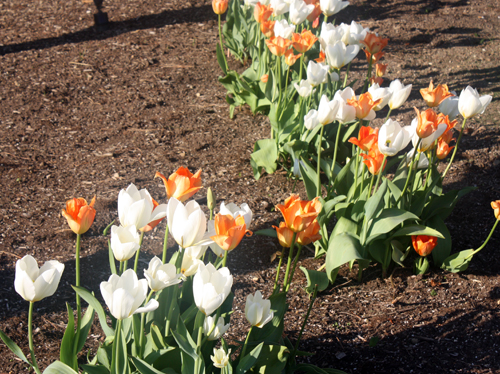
174	319
376	217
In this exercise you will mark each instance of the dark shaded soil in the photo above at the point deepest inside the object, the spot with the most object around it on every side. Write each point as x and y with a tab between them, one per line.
87	111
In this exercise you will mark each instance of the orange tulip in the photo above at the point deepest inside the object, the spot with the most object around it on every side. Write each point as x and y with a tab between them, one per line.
374	57
151	225
377	80
373	43
366	139
290	58
495	205
79	215
285	235
299	214
441	118
315	13
310	234
182	184
321	58
380	69
443	149
262	13
427	122
264	78
304	41
267	28
363	105
423	244
219	6
374	159
229	231
278	45
434	96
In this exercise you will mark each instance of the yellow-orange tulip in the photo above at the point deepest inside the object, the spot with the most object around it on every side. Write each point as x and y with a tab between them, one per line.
267	28
366	139
229	231
374	57
182	184
364	105
264	78
285	235
495	205
262	12
290	58
219	6
373	43
304	41
374	159
423	244
277	45
376	80
313	16
380	69
434	96
321	58
79	214
310	234
443	149
299	214
427	122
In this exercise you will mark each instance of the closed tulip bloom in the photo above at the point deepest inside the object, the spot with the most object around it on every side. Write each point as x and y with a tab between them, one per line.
299	11
373	43
345	113
182	184
279	7
380	69
427	142
267	28
423	244
495	205
435	96
235	210
367	137
423	161
125	294
316	73
375	57
327	110
219	329
229	231
449	107
151	225
392	138
427	122
299	214
220	358
277	45
34	284
364	105
304	88
79	214
310	234
329	35
264	78
262	12
285	235
187	223
191	259
211	287
311	119
331	7
124	242
378	92
219	6
258	310
400	94
136	208
470	103
304	41
338	55
160	275
316	12
443	149
290	58
353	33
283	29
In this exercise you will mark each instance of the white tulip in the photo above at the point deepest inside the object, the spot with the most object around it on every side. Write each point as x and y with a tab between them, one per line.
378	92
329	35
400	94
251	3
331	7
346	113
327	110
316	73
124	242
211	287
258	310
191	259
449	107
296	167
283	29
279	7
304	88
353	34
299	11
470	103
392	138
423	161
338	55
311	119
187	223
219	329
34	284
135	208
160	275
235	211
125	294
220	358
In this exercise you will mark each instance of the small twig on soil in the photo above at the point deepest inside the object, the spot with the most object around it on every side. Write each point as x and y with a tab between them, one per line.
178	66
79	63
8	253
350	314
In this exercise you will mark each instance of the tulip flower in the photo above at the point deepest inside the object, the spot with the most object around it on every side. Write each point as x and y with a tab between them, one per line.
354	33
299	214
374	160
296	168
345	113
137	208
304	41
423	244
278	45
449	107
427	142
380	69
33	283
423	161
364	105
220	358
262	12
253	3
304	88
187	224
285	235
427	122
327	110
151	225
329	35
299	11
495	205
264	78
235	210
392	138
313	16
400	94
331	7
366	139
443	149
216	331
338	55
191	259
378	92
470	103
125	294
229	231
267	28
283	29
279	7
373	43
316	73
160	275
125	241
311	119
211	287
258	310
220	6
310	234
79	214
435	96
290	58
373	58
182	184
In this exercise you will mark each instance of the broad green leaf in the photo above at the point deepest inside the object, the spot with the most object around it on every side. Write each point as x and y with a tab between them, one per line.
399	252
184	340
458	262
386	221
87	320
92	301
310	178
119	362
443	205
414	229
374	205
328	208
13	347
247	362
58	367
342	248
344	225
264	156
143	367
94	369
315	278
111	257
381	252
271	88
66	352
221	59
443	247
272	359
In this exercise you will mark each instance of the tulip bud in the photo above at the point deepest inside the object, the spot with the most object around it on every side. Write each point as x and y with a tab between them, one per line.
79	214
423	244
219	6
496	208
258	310
264	78
210	199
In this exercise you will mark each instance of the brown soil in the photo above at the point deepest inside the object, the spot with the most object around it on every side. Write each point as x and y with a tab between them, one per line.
87	111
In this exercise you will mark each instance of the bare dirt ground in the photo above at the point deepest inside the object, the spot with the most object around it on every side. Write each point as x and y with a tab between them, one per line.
87	111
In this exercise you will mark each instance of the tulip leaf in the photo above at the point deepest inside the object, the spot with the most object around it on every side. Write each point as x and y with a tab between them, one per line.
58	367
119	362
87	320
375	203
94	369
249	360
264	156
220	59
342	248
315	278
267	232
381	252
386	221
105	231
184	340
66	353
111	256
458	262
399	253
92	301
414	229
13	347
310	178
143	367
272	359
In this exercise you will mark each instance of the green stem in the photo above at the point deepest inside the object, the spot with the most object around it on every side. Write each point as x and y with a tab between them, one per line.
293	268
77	281
136	262
141	339
318	185
116	345
225	259
305	320
165	245
388	114
301	62
380	173
368	75
278	270
371	185
455	150
346	75
289	262
30	336
410	171
221	46
335	151
243	350
485	242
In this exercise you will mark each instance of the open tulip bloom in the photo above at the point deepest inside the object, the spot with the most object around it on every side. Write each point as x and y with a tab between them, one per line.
125	241
136	208
160	275
258	310
214	332
392	138
471	104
